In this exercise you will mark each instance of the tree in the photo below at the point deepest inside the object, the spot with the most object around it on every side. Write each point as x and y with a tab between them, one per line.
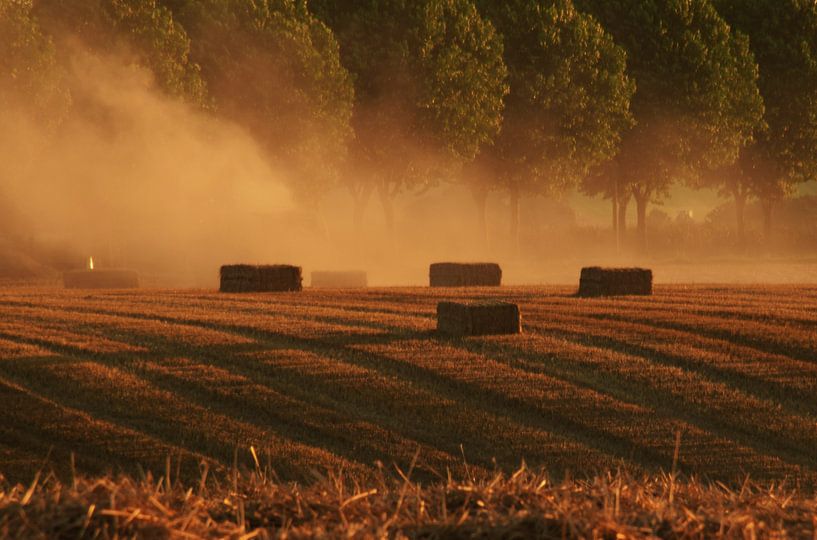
144	32
568	102
32	87
696	102
429	83
29	75
783	36
274	68
609	179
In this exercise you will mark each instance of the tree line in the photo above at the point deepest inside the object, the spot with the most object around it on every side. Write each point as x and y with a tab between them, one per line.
622	98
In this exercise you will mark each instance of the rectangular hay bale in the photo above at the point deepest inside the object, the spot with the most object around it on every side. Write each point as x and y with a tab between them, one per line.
238	278
465	275
105	278
478	318
597	281
339	280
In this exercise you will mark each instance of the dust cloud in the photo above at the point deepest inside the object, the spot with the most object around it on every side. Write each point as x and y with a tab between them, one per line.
140	180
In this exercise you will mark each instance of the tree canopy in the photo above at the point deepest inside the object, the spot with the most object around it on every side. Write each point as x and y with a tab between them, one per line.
429	81
783	36
275	69
144	32
697	102
569	95
522	97
29	74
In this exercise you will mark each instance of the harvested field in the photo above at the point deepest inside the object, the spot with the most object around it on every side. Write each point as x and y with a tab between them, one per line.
348	379
521	505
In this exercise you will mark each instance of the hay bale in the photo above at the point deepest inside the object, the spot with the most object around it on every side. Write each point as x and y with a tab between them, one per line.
339	280
465	275
597	281
478	318
266	278
106	278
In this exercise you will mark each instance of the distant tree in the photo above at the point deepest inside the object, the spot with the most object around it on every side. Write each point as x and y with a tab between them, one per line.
30	77
274	68
610	180
783	35
429	83
569	97
143	31
32	84
696	102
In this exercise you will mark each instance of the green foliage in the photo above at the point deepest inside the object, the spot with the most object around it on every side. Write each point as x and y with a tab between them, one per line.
274	68
463	79
29	75
569	93
164	44
145	31
783	37
697	101
429	80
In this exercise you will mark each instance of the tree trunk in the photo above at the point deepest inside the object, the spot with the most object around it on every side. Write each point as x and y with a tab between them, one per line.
616	233
320	221
359	211
481	201
641	202
388	207
768	205
361	202
740	212
514	192
614	200
622	220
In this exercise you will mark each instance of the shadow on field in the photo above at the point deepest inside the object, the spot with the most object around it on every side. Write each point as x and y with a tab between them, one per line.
342	348
49	433
350	417
171	437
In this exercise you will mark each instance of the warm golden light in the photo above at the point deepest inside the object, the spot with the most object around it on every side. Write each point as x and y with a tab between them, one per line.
90	263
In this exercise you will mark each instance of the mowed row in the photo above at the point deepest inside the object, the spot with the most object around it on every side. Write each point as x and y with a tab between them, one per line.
357	380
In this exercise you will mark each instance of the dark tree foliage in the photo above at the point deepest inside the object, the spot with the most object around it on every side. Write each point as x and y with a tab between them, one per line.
32	87
783	36
274	68
143	31
528	97
429	82
29	74
569	97
696	103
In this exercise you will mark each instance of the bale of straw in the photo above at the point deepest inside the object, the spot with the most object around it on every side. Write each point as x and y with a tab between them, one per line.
106	278
478	318
339	280
465	275
597	281
238	278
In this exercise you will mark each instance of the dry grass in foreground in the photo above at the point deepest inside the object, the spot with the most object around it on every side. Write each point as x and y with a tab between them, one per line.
522	505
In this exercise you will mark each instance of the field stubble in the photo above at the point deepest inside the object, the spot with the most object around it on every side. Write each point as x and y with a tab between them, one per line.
352	380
